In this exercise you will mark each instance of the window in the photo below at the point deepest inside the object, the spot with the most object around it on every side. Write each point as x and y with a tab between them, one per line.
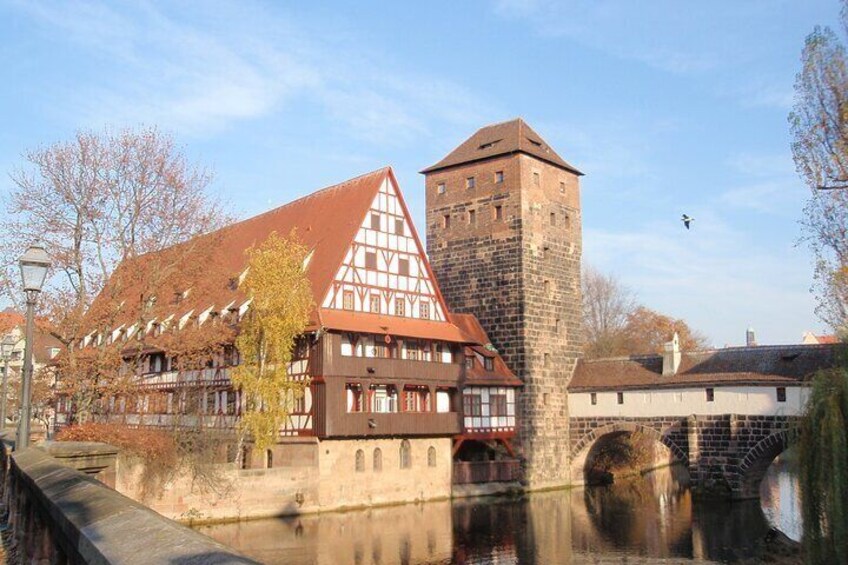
593	398
360	461
269	459
443	401
553	218
374	303
375	222
446	221
440	188
469	362
470	182
710	394
556	326
371	260
416	399
405	454
400	307
489	363
566	221
354	398
399	226
472	404
499	177
547	360
497	405
378	460
403	267
383	399
781	394
620	397
562	188
472	217
431	456
424	310
546	286
347	300
499	212
535	179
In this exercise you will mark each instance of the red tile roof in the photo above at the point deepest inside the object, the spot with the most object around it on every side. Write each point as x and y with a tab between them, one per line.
478	375
764	365
496	140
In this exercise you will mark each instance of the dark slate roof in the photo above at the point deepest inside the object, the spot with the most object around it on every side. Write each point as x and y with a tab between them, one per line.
783	365
505	138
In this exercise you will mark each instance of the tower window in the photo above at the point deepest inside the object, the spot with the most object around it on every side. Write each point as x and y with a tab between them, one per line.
562	188
546	286
403	267
553	218
566	221
472	217
375	221
547	360
446	221
441	188
469	182
499	212
499	177
536	179
370	260
556	325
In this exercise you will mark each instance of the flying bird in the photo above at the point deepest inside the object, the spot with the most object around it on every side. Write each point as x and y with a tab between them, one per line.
687	220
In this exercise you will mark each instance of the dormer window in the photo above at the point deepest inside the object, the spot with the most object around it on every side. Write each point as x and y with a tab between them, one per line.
489	363
488	144
534	142
469	362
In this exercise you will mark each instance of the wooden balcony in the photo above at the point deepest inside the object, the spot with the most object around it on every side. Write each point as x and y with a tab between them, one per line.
364	424
472	472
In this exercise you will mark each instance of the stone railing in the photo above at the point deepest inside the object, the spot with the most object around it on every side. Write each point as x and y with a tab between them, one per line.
58	514
472	472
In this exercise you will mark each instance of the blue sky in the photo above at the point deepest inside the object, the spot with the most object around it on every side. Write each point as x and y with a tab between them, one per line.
668	107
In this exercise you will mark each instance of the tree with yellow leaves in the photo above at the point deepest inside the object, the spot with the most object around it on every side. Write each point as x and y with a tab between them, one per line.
281	301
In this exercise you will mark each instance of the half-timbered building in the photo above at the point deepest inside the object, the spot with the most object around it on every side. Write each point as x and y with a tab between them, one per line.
387	367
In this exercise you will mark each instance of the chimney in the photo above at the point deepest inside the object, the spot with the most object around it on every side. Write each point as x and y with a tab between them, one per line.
750	338
671	356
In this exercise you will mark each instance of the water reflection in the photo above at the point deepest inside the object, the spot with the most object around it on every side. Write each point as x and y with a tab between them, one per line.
653	517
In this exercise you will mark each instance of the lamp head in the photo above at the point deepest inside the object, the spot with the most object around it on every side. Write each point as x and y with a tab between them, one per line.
34	265
6	346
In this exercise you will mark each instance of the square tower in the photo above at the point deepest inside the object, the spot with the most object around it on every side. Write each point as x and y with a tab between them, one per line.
504	240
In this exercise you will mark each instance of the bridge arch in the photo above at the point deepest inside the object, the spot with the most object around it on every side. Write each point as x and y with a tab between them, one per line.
583	447
757	460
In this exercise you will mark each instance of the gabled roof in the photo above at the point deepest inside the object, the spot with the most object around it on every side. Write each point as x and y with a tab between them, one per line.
504	138
733	366
476	335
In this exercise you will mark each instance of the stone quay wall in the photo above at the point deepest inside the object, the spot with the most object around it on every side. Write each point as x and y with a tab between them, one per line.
58	514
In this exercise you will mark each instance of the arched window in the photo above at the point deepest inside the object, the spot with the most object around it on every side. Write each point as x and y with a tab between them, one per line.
360	461
431	457
378	460
269	459
405	454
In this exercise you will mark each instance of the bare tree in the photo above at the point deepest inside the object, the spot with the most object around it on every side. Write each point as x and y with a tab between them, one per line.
606	307
819	124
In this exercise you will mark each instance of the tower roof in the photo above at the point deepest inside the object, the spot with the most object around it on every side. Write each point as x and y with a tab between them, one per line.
504	138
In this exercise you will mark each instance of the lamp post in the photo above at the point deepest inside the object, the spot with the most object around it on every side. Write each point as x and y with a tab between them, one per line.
6	347
34	265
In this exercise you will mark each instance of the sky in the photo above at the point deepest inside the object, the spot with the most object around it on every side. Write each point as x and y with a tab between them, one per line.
667	107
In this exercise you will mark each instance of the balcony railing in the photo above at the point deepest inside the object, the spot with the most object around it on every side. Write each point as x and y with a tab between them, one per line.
470	472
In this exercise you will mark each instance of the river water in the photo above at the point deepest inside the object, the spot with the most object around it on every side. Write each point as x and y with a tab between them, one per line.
648	520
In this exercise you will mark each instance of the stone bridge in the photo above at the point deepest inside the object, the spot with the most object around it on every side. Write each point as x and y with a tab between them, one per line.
725	454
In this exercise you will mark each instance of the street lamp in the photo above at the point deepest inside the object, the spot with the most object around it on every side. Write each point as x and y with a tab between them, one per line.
6	347
34	265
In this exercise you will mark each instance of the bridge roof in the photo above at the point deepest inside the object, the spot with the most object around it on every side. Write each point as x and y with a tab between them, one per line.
789	365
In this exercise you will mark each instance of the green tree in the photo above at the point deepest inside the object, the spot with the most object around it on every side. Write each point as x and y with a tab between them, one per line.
823	463
281	301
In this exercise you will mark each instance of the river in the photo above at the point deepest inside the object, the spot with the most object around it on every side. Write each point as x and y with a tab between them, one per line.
648	520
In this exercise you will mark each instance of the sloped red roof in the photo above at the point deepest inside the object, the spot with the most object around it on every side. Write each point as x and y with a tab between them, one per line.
763	365
476	335
504	138
10	320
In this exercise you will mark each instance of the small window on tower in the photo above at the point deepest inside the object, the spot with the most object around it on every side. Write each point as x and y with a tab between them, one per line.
424	310
499	178
472	217
347	300
370	260
469	182
441	188
375	221
566	221
446	221
562	188
553	218
498	212
399	226
536	179
403	267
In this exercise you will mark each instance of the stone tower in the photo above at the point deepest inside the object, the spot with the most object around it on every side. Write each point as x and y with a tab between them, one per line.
504	240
